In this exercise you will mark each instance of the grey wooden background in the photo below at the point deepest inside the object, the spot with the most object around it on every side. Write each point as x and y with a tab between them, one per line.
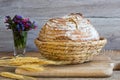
103	14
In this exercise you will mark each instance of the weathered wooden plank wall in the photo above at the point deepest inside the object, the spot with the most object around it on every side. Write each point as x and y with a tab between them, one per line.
103	14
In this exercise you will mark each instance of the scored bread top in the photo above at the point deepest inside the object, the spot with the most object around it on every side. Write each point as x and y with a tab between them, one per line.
73	27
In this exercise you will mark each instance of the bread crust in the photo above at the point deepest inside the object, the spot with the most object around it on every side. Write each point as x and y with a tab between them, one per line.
73	27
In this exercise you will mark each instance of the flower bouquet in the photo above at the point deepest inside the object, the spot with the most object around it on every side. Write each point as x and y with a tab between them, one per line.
20	27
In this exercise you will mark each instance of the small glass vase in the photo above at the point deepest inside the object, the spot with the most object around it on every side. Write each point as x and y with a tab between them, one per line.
20	39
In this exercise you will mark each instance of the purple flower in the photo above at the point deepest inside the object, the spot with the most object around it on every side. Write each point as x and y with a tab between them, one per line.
15	20
8	17
25	20
18	17
18	27
22	27
17	23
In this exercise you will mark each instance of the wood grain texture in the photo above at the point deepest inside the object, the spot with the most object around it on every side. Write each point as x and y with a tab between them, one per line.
113	54
100	66
115	76
103	14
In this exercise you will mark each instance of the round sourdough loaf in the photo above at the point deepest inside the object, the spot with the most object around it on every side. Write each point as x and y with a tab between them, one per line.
73	27
70	39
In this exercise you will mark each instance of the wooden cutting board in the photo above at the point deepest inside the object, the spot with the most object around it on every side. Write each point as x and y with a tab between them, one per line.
99	67
115	57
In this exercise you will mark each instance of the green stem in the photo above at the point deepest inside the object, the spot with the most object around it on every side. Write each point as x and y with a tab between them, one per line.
20	39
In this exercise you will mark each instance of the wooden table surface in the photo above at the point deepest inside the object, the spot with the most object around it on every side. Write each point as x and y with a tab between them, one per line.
114	56
115	76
